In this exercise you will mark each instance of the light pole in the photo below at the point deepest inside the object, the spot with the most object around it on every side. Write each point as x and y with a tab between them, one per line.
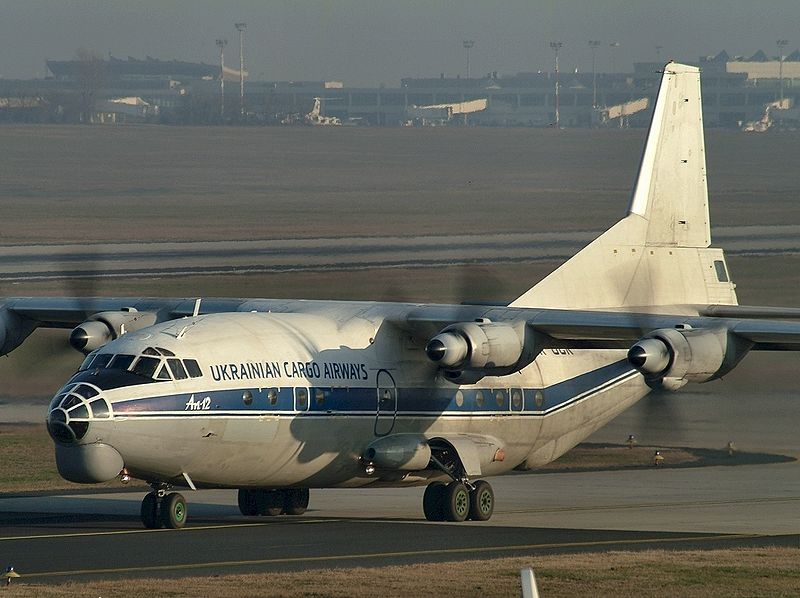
240	27
468	43
556	46
614	46
221	43
594	44
781	43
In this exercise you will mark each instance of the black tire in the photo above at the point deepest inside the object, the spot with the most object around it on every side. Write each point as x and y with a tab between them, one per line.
295	501
481	501
248	506
173	511
433	501
456	502
149	511
271	502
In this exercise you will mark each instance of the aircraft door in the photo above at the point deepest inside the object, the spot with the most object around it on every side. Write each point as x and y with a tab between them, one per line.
387	403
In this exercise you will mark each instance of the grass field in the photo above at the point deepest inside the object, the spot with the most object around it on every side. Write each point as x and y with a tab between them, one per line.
690	574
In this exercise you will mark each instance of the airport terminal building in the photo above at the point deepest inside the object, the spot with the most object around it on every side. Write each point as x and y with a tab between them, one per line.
735	91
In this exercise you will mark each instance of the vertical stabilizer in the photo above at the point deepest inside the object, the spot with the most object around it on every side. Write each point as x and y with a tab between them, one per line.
659	253
670	190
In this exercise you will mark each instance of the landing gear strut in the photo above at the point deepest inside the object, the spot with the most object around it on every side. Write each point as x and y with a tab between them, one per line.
459	500
262	501
162	509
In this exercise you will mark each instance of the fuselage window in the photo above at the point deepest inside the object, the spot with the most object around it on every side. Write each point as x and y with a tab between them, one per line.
193	368
272	396
319	397
146	366
301	399
479	398
516	399
178	371
500	397
722	274
121	362
459	398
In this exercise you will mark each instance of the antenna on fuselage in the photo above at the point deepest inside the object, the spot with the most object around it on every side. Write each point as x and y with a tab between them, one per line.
196	307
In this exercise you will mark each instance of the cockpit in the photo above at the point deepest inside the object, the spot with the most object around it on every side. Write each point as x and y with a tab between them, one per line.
153	364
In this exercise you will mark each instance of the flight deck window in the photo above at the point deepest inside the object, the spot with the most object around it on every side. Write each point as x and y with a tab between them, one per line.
163	373
146	366
101	360
193	368
86	362
178	371
121	362
150	351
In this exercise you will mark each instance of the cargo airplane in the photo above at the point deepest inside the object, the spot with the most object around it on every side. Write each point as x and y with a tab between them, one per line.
274	397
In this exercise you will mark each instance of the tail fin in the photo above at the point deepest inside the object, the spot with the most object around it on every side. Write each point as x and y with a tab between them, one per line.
659	253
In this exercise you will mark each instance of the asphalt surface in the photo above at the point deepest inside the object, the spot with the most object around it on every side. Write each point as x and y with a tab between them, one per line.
43	262
52	538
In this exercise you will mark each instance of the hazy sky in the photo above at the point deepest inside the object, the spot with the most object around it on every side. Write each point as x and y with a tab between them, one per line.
369	42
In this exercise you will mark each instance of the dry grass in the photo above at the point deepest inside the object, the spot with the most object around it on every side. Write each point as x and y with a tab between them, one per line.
690	574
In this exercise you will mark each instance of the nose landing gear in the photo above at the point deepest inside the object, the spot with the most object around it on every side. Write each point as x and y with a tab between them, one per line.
263	501
160	509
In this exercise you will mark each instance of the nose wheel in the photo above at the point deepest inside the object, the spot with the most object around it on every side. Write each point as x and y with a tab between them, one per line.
160	509
273	502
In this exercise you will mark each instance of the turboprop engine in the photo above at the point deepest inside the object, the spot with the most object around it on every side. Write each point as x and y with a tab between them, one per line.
105	326
467	351
671	357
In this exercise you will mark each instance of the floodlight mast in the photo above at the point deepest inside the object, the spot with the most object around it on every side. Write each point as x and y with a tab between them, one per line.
556	46
240	27
221	43
468	44
594	44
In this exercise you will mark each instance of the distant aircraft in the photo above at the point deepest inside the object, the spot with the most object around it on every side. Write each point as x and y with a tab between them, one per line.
316	118
273	397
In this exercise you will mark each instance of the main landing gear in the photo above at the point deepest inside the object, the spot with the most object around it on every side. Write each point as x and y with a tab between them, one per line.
160	509
458	501
262	501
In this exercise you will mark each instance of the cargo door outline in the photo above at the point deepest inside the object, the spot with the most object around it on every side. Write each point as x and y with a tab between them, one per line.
386	414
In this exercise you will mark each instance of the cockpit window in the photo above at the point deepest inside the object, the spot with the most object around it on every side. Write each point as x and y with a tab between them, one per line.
193	368
121	362
178	371
165	352
101	360
87	362
150	351
163	373
146	366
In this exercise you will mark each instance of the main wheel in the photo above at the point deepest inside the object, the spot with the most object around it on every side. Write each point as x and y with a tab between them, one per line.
173	511
433	501
272	502
248	505
295	501
456	502
481	501
149	511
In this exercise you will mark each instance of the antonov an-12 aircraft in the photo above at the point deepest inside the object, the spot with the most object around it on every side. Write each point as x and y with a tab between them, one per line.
274	397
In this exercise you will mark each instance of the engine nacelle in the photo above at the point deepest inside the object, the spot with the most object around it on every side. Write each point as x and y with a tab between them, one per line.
476	346
104	327
669	358
403	452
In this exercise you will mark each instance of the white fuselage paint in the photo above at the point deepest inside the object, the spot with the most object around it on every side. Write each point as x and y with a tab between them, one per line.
203	426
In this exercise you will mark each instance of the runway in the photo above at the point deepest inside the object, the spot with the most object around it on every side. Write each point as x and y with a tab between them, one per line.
113	260
51	538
